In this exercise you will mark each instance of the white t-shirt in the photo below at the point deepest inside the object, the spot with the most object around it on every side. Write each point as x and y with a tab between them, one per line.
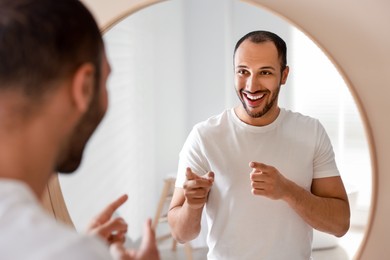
28	232
241	225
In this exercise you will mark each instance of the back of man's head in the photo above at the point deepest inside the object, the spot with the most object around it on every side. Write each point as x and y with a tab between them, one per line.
44	41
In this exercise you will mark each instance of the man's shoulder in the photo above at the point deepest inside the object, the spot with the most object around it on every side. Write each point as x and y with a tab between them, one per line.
298	118
214	121
27	226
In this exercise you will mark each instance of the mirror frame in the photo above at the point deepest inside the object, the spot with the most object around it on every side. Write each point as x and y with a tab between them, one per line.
342	38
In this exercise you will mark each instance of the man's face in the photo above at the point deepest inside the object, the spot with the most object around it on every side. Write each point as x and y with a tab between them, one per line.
88	123
258	78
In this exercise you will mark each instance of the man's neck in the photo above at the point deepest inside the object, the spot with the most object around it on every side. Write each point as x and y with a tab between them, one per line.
264	120
25	159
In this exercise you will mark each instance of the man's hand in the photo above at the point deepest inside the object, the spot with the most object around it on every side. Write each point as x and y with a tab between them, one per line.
112	230
196	188
147	251
268	181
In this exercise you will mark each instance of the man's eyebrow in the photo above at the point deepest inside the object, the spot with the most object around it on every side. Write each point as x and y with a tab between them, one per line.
261	68
241	66
267	68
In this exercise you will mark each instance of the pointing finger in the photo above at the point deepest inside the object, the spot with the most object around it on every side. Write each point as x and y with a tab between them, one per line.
258	166
190	175
107	213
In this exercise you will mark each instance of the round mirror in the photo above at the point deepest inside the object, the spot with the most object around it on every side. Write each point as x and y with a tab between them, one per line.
172	67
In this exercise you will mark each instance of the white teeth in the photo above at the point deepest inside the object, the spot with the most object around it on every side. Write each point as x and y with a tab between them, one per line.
254	97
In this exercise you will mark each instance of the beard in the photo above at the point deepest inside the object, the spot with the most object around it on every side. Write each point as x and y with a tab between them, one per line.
266	108
72	157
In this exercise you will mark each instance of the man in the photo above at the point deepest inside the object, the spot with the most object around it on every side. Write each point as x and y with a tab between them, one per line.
265	175
53	73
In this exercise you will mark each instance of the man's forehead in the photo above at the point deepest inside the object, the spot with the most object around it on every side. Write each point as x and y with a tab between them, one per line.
254	52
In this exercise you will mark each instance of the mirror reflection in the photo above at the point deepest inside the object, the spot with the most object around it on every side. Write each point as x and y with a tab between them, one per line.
172	68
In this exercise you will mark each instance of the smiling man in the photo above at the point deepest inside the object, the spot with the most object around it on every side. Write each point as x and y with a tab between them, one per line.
259	75
265	175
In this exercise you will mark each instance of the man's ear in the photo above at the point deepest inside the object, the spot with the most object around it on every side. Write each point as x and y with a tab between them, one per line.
83	84
284	75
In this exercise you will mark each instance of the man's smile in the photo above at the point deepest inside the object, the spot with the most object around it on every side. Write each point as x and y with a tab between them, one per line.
253	99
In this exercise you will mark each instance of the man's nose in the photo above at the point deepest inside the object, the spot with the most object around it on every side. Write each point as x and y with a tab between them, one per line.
251	84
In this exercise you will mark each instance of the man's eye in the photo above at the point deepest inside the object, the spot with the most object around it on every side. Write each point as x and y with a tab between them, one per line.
242	72
265	72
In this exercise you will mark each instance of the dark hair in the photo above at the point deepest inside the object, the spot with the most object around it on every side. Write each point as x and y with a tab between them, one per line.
42	41
265	36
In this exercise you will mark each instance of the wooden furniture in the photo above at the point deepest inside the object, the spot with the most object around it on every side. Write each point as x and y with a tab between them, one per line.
54	202
161	216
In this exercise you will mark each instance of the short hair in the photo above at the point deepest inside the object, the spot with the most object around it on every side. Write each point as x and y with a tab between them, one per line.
42	41
266	36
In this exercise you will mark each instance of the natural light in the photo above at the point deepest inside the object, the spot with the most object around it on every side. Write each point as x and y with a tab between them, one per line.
320	91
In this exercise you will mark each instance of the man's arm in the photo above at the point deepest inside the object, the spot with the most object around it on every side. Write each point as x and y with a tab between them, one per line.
183	220
185	211
325	208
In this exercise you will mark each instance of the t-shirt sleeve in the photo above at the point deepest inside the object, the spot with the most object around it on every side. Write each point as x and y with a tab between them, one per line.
191	156
324	158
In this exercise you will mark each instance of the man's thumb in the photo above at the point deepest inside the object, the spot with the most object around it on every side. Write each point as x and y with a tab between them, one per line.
209	175
149	238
